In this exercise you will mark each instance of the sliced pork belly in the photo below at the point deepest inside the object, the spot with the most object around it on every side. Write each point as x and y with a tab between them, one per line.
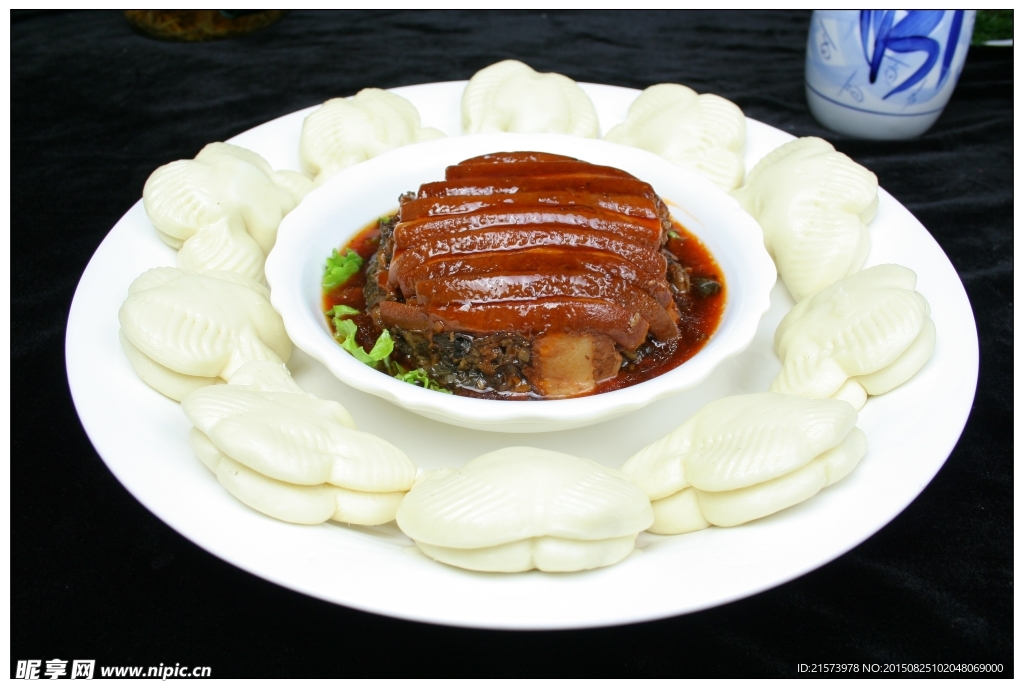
530	169
420	231
555	263
519	156
647	261
631	206
554	314
543	260
525	287
488	186
568	365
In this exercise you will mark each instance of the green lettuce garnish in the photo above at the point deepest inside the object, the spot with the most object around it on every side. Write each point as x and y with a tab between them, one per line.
345	333
341	309
420	378
341	267
346	336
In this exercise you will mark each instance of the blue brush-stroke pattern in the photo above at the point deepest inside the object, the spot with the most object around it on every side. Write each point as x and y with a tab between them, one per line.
954	38
913	44
909	35
881	22
865	32
917	24
867	20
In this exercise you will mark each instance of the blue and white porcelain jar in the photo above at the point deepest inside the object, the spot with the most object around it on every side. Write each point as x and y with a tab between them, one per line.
884	74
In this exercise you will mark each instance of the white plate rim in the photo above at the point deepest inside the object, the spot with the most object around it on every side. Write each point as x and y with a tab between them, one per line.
374	570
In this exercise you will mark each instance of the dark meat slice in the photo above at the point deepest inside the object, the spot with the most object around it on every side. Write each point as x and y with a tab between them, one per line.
421	231
479	289
626	205
648	262
529	169
542	260
404	316
535	317
478	186
522	156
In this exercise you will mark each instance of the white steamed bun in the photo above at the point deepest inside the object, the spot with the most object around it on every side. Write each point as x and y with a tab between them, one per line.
182	330
511	96
223	245
292	456
744	457
813	204
346	131
223	183
522	508
704	133
864	335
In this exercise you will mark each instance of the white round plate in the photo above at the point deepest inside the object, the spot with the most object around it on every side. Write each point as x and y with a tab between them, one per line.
142	436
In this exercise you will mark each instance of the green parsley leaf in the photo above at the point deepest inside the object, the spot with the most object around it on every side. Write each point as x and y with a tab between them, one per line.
341	267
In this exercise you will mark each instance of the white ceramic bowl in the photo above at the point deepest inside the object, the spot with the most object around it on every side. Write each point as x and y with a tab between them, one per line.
333	213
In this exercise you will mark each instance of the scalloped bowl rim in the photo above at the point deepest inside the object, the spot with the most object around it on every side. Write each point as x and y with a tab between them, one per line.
330	215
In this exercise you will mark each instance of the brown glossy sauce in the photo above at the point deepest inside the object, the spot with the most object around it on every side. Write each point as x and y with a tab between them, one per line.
699	316
697	322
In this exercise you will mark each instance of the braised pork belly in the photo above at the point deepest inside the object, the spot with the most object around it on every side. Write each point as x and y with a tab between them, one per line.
530	275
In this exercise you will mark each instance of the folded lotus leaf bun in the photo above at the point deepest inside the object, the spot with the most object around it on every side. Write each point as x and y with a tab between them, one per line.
186	329
295	437
734	507
864	335
304	504
520	508
510	96
292	456
223	245
223	182
705	133
745	457
813	204
346	131
267	376
161	378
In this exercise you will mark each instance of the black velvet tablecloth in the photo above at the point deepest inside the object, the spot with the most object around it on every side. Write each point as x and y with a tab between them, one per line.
96	107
